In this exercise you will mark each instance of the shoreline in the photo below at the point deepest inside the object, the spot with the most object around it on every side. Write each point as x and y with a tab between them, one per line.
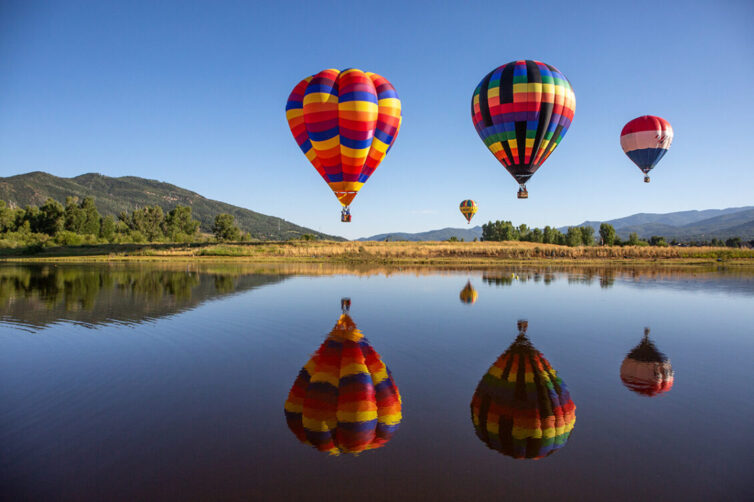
430	253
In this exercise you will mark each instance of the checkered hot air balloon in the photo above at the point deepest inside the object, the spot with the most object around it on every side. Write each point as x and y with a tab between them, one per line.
344	399
521	407
468	294
468	208
345	123
646	140
646	370
522	110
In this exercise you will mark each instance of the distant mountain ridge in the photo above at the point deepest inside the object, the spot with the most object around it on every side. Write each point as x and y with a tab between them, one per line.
113	195
443	234
686	225
681	225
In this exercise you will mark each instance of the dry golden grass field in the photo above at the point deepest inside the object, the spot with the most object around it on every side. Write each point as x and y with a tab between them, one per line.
437	253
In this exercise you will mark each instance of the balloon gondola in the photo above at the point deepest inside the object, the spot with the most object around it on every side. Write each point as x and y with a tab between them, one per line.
344	399
521	407
468	208
522	110
646	140
646	370
345	122
468	294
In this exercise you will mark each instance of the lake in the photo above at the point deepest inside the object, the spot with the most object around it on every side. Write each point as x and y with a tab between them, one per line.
184	382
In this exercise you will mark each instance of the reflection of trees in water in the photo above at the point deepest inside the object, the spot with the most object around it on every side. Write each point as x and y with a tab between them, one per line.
716	277
41	294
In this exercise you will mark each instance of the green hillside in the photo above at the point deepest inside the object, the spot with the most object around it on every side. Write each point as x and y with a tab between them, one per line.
113	195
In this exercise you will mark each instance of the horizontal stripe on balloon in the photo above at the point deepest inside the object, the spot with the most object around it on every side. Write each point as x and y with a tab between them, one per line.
358	96
646	139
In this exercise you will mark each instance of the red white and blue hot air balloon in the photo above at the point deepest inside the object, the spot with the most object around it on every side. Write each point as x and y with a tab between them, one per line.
646	140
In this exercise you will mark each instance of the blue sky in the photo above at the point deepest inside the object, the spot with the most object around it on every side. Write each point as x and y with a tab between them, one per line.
193	93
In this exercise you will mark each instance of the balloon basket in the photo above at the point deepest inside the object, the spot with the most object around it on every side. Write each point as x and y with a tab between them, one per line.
646	179
345	218
523	194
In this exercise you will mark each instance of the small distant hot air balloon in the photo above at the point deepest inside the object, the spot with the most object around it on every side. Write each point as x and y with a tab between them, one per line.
344	399
646	140
522	110
521	407
344	122
468	294
468	209
646	370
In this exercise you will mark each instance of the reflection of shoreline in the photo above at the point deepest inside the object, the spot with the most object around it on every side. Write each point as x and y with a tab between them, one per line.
36	296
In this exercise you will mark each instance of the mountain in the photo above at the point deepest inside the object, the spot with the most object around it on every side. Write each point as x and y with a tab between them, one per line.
443	234
685	225
113	195
681	225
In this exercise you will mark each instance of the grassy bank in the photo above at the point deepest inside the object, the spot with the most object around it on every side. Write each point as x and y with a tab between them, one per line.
459	253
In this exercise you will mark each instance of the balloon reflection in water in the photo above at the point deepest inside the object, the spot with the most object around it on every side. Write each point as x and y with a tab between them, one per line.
646	370
469	294
344	399
521	408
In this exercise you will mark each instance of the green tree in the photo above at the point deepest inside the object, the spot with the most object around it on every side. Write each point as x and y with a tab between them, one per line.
536	235
733	242
523	232
51	218
7	218
225	228
587	235
548	235
657	240
74	215
179	225
574	236
148	222
607	234
107	228
633	239
91	217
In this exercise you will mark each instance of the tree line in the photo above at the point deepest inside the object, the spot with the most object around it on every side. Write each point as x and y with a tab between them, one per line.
585	236
79	222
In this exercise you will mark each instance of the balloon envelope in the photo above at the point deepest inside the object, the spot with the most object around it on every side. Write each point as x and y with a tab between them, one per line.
522	110
646	140
646	370
344	399
344	122
468	208
521	407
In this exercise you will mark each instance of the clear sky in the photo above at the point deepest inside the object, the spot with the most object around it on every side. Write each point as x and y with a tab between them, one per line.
193	93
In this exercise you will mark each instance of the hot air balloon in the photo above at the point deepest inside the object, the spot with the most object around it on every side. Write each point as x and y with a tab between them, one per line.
344	122
468	294
522	110
646	370
521	407
646	140
468	208
344	399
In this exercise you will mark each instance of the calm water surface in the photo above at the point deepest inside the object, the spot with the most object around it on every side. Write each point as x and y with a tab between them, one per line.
156	382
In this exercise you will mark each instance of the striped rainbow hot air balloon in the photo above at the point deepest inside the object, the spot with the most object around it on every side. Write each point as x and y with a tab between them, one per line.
646	370
646	140
521	407
344	399
522	110
468	208
345	122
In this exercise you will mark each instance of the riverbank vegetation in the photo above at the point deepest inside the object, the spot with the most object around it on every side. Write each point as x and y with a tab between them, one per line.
79	223
389	253
585	236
